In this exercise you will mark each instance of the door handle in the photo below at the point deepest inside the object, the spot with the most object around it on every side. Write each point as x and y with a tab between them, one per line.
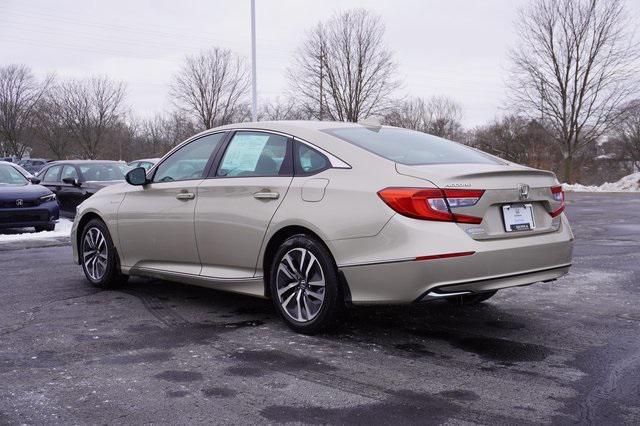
184	196
265	195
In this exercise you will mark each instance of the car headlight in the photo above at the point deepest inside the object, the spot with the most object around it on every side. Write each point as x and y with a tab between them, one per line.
46	198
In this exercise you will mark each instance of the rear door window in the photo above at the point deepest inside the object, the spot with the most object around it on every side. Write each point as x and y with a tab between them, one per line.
256	154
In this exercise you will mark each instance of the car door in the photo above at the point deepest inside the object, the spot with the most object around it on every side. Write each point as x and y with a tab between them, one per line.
69	195
236	203
51	178
155	221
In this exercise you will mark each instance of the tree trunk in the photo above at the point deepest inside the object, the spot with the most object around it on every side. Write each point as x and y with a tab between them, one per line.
568	169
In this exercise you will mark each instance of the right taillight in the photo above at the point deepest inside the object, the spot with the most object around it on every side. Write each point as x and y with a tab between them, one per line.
432	203
558	195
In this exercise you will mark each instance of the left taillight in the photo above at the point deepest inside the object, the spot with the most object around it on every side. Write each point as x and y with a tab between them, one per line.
432	203
558	196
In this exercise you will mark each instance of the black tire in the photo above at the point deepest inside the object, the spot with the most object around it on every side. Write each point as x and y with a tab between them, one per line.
49	227
471	299
321	315
109	275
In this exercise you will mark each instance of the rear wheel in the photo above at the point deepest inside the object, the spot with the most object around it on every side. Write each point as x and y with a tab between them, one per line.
472	299
49	227
99	257
304	286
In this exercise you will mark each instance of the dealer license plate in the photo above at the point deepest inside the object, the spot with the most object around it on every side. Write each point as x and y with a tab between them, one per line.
518	217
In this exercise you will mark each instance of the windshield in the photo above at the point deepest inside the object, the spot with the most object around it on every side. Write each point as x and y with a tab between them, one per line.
410	147
11	177
102	172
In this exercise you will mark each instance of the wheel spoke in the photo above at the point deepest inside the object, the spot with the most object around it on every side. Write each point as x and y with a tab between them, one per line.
299	305
305	299
302	256
318	283
312	260
287	288
291	266
283	268
286	302
315	295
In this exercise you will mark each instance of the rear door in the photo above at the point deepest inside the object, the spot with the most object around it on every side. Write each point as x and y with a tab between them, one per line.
238	200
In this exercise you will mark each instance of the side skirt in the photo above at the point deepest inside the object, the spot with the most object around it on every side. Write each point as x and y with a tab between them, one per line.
253	286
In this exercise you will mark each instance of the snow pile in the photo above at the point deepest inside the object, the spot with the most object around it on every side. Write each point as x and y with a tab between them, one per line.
63	229
630	183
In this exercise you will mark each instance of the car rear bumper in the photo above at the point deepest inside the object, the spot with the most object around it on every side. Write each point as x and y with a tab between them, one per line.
476	266
29	216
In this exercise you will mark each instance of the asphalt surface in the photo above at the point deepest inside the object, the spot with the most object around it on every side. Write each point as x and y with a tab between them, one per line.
157	352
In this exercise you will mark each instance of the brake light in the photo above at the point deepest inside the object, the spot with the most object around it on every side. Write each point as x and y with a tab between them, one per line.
432	203
558	195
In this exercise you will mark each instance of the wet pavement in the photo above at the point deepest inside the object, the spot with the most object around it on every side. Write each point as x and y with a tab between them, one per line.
161	352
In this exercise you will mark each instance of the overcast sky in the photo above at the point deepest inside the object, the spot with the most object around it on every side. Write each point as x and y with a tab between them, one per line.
456	48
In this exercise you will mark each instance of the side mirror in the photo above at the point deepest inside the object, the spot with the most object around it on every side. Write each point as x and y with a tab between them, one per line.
137	176
34	180
71	181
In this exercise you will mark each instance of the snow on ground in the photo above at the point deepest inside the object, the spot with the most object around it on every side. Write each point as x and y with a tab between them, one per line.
63	229
630	183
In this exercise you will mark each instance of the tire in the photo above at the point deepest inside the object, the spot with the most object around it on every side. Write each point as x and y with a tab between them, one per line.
472	299
310	301
50	227
101	266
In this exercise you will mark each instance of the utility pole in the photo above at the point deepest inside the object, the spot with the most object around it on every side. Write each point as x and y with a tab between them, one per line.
321	78
254	88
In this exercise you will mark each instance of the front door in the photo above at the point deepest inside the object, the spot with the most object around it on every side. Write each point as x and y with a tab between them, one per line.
155	221
236	203
69	195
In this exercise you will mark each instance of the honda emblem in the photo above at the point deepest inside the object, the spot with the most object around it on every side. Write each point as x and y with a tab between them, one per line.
523	191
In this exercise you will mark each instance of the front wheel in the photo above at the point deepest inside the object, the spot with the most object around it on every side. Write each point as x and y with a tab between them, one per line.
49	227
98	256
304	286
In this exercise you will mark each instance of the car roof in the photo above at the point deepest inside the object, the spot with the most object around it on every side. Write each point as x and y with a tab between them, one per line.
84	162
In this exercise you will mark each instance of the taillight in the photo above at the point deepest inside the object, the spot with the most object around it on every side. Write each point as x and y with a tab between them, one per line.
558	195
432	203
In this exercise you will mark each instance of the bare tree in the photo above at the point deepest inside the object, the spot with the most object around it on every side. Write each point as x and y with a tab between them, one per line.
573	69
51	130
20	94
627	133
90	109
212	87
343	71
157	135
438	116
517	139
287	109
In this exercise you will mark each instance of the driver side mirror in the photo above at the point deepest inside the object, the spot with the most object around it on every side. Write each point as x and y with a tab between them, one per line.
137	176
71	181
34	180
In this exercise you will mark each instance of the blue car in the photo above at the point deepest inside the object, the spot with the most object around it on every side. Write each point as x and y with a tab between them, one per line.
24	203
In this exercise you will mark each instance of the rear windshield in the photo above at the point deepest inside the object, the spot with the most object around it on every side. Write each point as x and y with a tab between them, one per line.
410	147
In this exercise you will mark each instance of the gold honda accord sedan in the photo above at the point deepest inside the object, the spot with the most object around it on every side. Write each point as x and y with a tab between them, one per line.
317	216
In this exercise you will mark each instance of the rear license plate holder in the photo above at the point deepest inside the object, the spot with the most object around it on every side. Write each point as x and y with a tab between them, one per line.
518	217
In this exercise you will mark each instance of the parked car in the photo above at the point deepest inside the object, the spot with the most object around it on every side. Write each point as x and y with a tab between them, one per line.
76	180
33	165
24	203
321	215
146	163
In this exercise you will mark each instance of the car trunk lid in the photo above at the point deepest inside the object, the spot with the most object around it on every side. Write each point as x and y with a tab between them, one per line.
509	185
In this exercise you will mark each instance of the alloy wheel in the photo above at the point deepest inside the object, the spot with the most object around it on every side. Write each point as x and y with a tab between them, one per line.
94	254
300	285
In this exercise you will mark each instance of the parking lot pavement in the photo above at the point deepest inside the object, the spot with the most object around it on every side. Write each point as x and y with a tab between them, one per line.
160	352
